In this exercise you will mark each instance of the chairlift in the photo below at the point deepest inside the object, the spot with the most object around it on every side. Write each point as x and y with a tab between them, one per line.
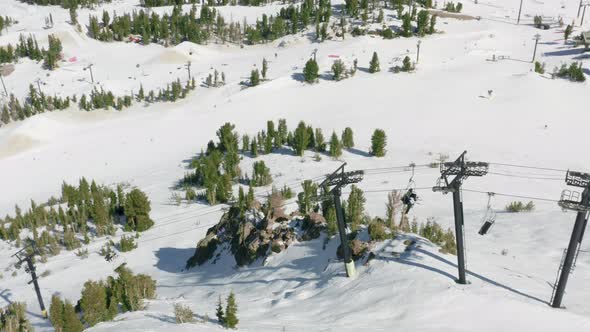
410	192
489	217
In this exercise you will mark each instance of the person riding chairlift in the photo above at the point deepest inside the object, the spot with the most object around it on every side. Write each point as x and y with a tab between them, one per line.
409	199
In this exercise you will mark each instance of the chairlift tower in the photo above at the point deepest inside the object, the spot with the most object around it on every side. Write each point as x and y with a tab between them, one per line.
571	200
26	255
461	169
337	181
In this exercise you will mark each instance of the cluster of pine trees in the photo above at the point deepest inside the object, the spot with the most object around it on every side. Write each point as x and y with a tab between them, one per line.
28	47
35	103
211	3
67	3
102	300
13	318
451	7
218	167
83	210
228	317
178	27
159	3
5	22
353	208
101	99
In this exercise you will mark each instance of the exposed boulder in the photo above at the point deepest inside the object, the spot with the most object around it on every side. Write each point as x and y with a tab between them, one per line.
313	225
357	249
205	250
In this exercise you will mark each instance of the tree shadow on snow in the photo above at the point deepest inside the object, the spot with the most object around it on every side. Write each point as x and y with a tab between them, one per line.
298	77
309	268
359	152
6	294
162	317
173	260
565	52
206	319
364	70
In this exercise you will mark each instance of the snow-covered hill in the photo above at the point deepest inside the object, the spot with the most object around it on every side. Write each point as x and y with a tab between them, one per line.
443	107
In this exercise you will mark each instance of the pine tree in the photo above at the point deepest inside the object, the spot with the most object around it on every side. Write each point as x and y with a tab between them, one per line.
219	312
301	138
338	69
374	65
378	143
231	312
5	116
332	226
141	94
73	15
254	77
335	146
320	142
306	198
250	197
432	29
355	207
406	25
422	22
71	321
264	68
94	303
347	138
137	209
254	148
407	64
567	32
311	71
245	143
56	316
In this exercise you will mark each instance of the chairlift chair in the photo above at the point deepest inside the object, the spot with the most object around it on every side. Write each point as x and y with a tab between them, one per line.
489	217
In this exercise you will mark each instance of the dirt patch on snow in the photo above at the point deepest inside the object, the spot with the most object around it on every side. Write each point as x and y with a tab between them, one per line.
6	69
67	39
170	56
15	145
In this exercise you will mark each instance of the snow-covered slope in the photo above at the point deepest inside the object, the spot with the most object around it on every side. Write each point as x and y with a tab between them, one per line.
441	108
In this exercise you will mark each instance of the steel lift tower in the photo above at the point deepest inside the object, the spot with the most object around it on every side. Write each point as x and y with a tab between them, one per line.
571	200
461	169
337	181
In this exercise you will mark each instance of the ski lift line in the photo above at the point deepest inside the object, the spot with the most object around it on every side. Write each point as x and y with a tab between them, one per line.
407	168
530	167
388	190
527	177
512	195
395	171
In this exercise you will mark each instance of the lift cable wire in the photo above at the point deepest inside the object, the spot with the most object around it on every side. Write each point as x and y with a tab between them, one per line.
530	167
528	177
513	195
382	170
